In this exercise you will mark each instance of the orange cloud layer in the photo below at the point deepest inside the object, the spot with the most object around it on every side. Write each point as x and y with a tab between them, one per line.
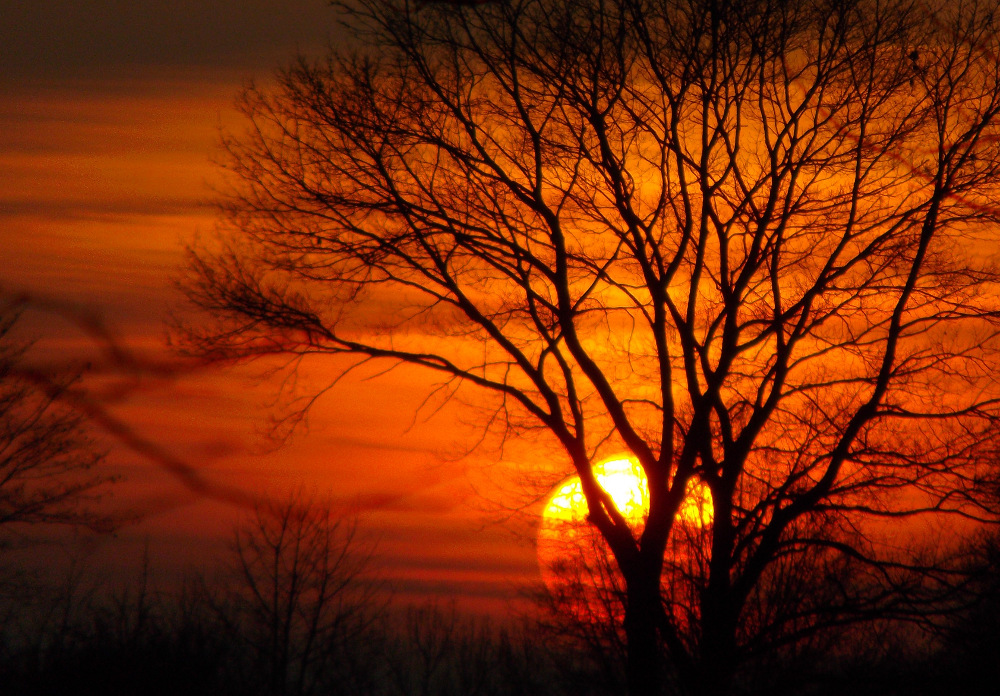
100	187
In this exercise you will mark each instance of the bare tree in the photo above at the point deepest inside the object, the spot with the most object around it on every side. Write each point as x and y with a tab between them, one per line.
48	461
298	599
753	243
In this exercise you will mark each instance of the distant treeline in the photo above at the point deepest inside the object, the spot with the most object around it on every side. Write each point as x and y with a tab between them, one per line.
294	610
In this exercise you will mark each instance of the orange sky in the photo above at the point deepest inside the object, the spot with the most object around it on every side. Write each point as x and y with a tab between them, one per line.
105	173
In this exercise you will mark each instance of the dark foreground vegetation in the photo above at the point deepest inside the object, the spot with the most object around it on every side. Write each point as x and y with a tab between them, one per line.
295	610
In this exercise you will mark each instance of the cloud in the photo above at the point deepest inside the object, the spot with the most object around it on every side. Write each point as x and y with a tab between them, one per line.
71	155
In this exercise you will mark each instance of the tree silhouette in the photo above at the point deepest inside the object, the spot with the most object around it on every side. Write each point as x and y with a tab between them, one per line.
297	601
47	458
751	243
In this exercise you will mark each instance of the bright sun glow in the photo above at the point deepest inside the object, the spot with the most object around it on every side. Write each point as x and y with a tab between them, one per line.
622	478
625	481
569	547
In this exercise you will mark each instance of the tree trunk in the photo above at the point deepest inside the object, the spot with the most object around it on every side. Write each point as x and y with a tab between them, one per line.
716	663
644	670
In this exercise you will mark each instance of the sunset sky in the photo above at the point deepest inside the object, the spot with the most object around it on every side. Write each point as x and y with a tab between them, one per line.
111	113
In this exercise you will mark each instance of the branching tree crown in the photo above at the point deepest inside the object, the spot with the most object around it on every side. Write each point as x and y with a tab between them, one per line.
48	461
753	243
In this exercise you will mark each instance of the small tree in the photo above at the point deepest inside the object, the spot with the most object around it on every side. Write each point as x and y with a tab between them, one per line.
752	243
298	600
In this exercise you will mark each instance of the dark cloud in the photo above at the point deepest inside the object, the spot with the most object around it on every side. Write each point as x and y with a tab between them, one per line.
62	209
47	39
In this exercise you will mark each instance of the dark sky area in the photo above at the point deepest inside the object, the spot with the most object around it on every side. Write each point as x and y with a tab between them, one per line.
51	39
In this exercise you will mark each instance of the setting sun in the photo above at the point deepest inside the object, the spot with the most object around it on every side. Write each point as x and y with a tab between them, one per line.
622	478
568	546
625	481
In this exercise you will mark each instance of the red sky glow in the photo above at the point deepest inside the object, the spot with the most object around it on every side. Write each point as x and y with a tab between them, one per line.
109	124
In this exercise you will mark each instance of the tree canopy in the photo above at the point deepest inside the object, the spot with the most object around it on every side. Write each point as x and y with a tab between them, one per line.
751	243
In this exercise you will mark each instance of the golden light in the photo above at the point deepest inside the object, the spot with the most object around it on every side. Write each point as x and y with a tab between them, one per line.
697	506
568	545
623	479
